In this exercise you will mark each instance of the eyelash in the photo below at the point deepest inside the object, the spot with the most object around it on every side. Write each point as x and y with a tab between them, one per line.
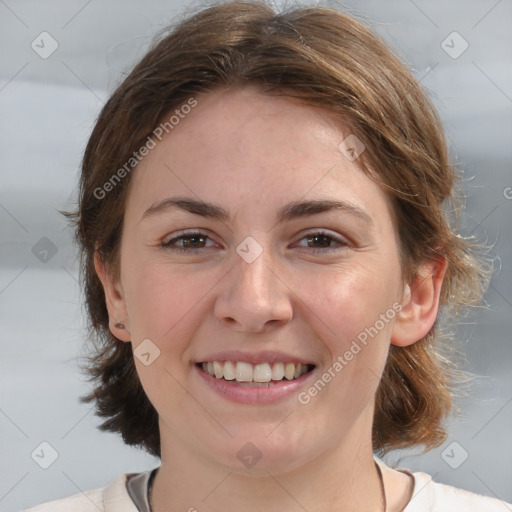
170	244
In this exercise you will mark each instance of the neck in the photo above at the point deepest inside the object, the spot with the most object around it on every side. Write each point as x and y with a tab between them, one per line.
344	478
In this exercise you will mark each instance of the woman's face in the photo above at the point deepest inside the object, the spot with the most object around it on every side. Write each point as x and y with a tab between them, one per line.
271	274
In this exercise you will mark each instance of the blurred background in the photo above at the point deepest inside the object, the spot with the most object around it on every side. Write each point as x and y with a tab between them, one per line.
60	61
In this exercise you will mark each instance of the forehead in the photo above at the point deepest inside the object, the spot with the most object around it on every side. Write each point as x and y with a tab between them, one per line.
253	151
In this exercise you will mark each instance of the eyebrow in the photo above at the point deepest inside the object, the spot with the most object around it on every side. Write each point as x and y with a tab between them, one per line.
292	210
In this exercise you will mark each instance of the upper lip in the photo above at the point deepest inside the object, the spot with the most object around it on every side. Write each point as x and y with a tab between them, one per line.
267	356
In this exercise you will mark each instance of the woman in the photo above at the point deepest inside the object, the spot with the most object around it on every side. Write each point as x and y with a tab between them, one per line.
265	254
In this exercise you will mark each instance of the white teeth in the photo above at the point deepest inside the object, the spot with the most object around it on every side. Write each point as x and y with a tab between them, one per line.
218	370
229	371
243	372
289	371
262	373
278	371
246	372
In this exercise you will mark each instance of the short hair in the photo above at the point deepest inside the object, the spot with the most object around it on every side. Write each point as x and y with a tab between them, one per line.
322	58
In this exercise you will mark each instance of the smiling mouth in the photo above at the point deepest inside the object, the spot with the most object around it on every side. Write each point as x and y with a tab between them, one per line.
255	375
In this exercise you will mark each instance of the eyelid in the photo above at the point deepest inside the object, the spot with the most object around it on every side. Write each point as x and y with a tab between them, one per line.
187	232
336	237
341	241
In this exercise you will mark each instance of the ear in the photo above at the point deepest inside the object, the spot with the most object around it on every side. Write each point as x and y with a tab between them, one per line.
114	297
420	304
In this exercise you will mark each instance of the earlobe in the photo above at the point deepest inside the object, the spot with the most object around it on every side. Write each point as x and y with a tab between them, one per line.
420	304
114	298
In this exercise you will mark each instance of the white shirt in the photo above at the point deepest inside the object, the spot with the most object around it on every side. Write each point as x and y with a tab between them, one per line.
428	496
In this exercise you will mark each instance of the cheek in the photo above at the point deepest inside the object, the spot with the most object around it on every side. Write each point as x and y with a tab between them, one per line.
354	304
167	304
166	307
352	314
158	300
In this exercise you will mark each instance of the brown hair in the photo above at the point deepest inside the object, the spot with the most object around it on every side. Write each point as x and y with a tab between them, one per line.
323	58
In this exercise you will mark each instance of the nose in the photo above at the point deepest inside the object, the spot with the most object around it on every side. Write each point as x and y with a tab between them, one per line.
254	296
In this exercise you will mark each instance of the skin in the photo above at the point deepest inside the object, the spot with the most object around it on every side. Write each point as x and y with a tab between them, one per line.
252	154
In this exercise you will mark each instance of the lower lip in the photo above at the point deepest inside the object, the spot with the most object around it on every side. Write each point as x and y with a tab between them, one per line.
251	395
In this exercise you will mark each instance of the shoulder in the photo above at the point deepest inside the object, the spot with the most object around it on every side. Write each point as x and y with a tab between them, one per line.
91	500
435	497
112	498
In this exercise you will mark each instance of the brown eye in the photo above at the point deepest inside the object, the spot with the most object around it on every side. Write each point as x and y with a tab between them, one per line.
321	242
187	242
193	241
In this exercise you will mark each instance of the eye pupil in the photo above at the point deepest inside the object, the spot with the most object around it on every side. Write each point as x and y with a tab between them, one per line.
193	240
317	238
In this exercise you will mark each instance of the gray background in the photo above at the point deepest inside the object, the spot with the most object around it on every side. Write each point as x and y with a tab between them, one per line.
47	109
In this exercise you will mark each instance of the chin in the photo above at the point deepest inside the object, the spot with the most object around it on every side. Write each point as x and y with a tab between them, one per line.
259	455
